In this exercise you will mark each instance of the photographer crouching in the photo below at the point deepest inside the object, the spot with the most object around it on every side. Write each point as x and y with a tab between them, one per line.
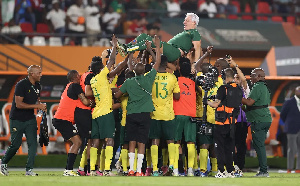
227	102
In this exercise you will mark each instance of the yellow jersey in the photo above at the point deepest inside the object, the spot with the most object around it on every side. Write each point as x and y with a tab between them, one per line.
124	101
211	92
199	104
102	93
164	85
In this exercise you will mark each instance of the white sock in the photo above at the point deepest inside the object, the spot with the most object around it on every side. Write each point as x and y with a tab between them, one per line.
139	163
190	170
131	156
81	169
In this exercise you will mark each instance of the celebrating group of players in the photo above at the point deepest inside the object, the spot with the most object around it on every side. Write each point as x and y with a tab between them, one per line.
156	102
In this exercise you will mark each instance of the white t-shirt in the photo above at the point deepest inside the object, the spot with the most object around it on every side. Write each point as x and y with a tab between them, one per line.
210	8
173	8
74	12
57	18
92	21
224	2
107	16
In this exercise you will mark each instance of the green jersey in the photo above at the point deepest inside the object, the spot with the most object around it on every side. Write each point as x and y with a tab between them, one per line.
139	90
261	95
184	39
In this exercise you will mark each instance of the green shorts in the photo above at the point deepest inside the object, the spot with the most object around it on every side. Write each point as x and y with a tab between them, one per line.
160	129
205	139
122	136
103	127
186	127
171	52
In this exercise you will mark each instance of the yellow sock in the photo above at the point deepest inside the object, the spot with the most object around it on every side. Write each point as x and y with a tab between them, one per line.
148	158
93	157
203	159
83	159
108	157
120	157
154	157
171	148
185	163
195	160
176	156
214	164
191	155
102	160
135	160
165	156
124	155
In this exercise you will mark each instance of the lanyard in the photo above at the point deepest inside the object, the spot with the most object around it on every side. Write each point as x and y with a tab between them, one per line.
35	90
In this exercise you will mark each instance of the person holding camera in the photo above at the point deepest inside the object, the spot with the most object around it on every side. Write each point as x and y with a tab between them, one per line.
227	102
241	129
259	115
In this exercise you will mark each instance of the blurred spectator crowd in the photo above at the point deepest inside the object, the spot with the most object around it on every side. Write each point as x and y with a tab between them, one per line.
128	17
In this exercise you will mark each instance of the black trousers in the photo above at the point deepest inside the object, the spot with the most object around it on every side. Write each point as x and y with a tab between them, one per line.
224	146
241	131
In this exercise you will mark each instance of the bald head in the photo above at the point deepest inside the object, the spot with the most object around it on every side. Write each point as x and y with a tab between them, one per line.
33	68
139	69
257	74
221	64
34	73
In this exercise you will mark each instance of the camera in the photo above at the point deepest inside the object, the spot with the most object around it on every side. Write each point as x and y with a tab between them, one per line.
227	56
208	80
203	127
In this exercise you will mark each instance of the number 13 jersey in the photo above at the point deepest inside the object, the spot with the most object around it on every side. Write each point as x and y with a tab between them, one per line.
165	84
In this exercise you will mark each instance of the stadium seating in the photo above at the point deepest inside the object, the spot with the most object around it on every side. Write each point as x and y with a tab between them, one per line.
5	134
247	10
42	28
38	41
277	19
291	19
263	8
27	28
27	41
55	41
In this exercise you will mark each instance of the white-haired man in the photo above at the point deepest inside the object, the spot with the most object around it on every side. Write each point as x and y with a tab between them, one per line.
175	47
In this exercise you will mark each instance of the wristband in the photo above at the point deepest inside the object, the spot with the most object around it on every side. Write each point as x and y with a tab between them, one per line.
236	66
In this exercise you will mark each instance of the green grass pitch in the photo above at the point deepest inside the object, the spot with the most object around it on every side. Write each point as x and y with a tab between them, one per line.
55	178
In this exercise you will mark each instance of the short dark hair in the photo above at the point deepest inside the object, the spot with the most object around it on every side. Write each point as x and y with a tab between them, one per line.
205	67
229	73
96	67
148	68
129	74
71	75
96	64
163	61
185	66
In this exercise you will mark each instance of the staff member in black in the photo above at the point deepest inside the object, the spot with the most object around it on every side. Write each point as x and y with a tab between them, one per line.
22	118
224	140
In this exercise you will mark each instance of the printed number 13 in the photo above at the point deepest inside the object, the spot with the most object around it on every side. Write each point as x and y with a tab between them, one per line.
164	89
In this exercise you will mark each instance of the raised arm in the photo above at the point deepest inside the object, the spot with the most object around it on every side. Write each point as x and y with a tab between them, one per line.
149	49
129	62
119	68
158	55
201	59
112	57
242	77
197	46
